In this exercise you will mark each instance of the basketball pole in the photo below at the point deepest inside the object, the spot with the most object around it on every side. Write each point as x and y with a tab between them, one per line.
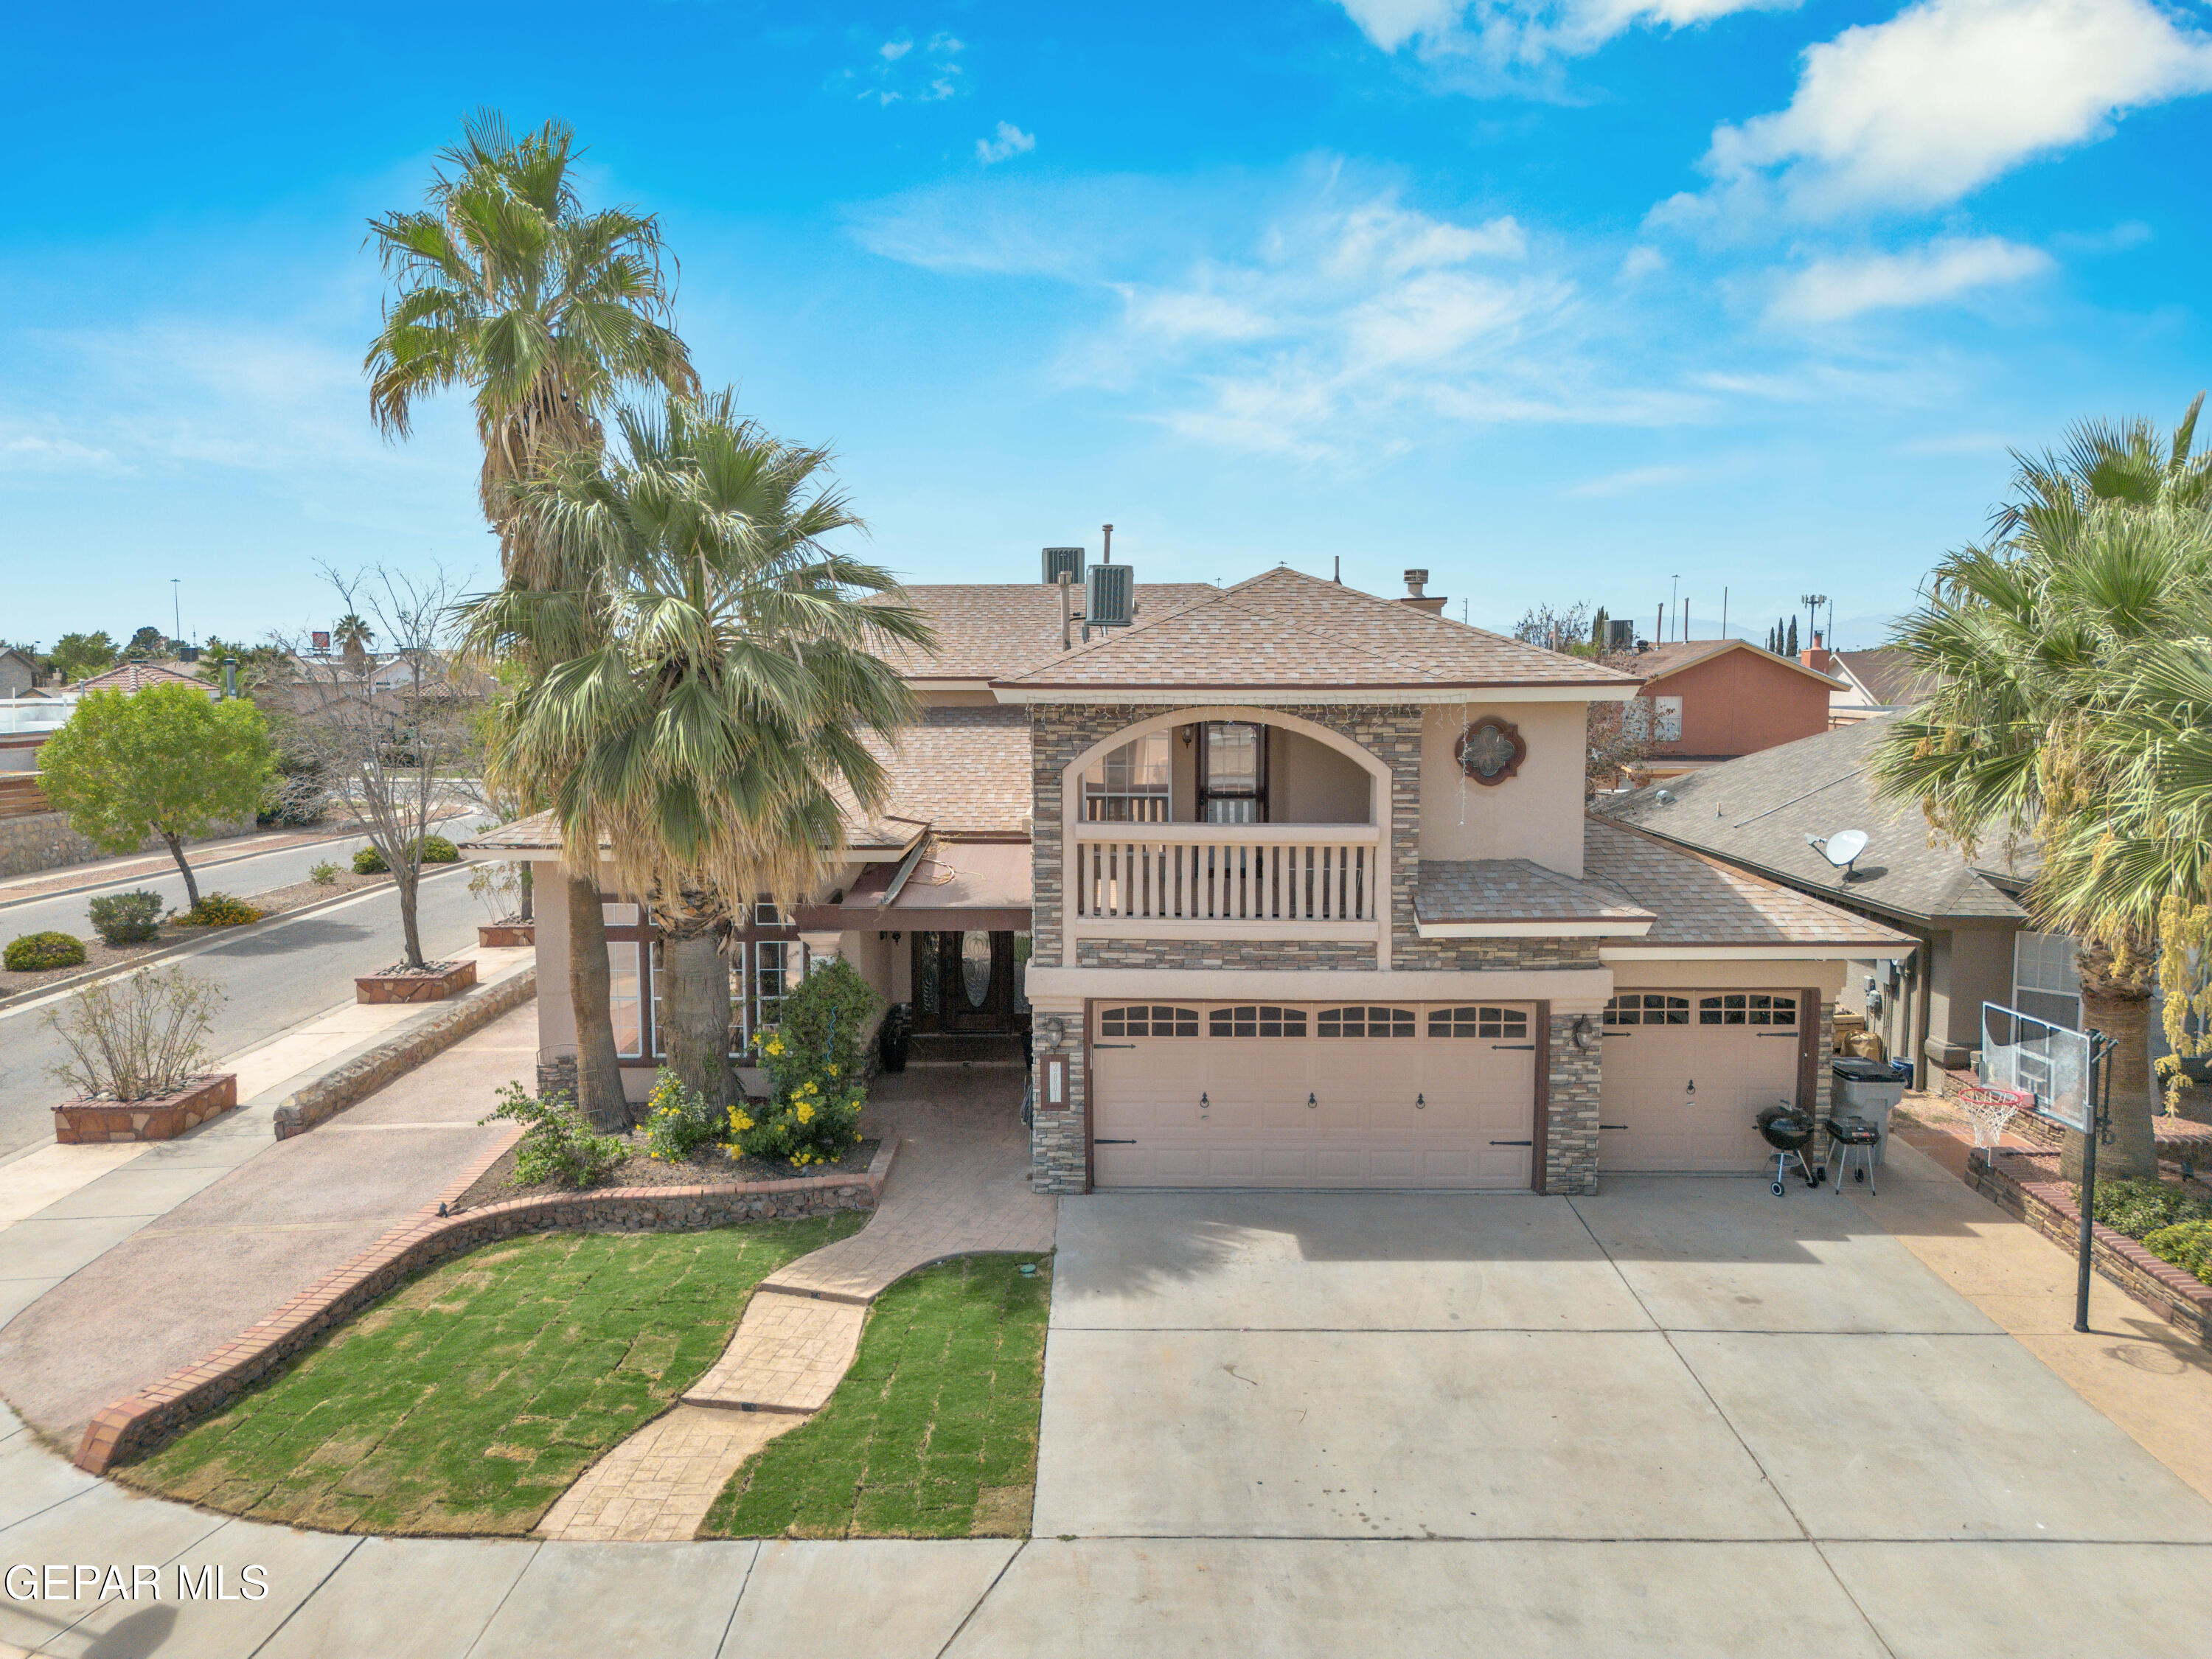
2101	1079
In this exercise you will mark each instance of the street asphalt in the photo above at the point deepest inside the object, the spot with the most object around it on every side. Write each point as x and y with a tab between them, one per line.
274	976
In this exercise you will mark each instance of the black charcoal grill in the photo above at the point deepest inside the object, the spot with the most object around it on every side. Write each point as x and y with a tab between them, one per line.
1851	1141
1790	1133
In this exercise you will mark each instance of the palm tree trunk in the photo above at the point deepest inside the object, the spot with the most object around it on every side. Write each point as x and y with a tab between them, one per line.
525	889
699	1012
2133	1150
598	1071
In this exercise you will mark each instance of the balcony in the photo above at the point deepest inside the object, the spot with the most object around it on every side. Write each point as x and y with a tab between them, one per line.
1318	881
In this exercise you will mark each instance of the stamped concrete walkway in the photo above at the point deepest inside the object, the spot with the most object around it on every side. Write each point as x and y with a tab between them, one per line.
959	1186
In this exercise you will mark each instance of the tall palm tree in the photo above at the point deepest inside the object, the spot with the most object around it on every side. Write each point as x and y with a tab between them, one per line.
504	284
717	736
353	637
2032	645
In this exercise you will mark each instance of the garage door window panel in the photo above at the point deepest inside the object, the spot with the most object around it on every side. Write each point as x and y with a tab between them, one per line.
1367	1021
1747	1008
1255	1020
1647	1008
1148	1020
1509	1024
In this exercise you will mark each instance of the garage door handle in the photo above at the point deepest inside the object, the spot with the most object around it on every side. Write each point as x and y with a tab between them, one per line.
1530	1046
1421	1103
1512	1143
1311	1103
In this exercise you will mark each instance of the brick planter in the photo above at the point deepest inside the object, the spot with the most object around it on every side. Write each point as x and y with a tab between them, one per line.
433	982
506	935
82	1122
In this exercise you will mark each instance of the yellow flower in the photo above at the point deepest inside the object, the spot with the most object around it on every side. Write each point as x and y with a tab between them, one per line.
804	1114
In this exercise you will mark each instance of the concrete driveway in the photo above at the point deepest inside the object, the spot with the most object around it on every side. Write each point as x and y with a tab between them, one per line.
1684	1417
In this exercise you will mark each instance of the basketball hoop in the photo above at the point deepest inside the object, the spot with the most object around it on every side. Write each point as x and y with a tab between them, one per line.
1990	1109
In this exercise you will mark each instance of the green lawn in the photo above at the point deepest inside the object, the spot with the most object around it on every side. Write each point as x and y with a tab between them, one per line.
472	1398
933	1433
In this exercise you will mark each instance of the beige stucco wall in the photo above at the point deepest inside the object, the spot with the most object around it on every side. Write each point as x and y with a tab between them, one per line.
1827	977
932	697
1536	814
1973	965
1309	782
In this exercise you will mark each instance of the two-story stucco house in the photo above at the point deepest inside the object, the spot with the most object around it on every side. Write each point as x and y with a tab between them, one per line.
1293	885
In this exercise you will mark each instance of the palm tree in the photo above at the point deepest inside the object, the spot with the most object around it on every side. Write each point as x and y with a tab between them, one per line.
717	736
353	637
2032	645
503	284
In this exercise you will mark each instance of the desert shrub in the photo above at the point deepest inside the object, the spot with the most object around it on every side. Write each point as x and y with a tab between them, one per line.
219	910
2188	1246
324	874
34	951
370	862
557	1146
436	849
2140	1205
680	1121
137	1037
127	918
814	1061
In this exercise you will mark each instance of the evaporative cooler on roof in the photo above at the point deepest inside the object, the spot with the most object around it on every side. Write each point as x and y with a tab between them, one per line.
1110	596
1063	561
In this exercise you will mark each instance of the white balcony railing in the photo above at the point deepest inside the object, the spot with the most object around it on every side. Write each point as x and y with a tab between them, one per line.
1297	873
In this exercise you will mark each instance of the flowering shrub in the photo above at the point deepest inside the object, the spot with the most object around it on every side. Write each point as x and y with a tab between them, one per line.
679	1121
814	1063
219	910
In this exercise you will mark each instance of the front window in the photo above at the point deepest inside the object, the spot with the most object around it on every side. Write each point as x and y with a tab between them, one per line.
1130	784
1232	786
771	978
623	1000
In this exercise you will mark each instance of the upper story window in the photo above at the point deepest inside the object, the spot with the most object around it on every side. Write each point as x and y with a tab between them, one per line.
1232	772
1131	784
1367	1022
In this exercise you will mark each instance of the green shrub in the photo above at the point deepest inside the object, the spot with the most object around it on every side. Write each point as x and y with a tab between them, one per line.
370	862
678	1121
2140	1205
2187	1246
324	874
35	951
814	1061
219	910
436	849
127	918
557	1146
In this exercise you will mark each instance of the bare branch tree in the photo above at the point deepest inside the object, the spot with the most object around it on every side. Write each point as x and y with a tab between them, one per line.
392	728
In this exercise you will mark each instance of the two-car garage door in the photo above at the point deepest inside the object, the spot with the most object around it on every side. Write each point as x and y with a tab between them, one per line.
1323	1095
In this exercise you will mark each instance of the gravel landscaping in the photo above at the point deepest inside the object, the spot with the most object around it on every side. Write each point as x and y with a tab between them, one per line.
934	1431
468	1400
497	1184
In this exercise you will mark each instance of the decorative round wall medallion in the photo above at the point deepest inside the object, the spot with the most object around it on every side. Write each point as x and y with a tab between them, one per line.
1490	751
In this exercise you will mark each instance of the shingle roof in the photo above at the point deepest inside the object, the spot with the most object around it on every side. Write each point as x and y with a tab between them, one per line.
1701	901
1756	812
1656	662
1889	675
1513	890
1284	628
987	629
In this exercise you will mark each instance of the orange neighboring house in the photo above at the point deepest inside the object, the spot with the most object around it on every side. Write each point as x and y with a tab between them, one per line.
1715	700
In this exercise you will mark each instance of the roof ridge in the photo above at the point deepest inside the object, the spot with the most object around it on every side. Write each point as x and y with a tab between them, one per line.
1224	596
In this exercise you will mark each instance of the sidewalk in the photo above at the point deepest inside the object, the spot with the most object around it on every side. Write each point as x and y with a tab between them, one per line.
959	1186
120	1263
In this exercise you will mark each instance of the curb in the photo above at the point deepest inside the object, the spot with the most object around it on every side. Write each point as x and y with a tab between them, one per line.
177	947
356	1079
137	1423
110	881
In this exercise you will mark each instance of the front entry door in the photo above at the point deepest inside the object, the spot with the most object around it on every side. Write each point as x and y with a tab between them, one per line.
975	982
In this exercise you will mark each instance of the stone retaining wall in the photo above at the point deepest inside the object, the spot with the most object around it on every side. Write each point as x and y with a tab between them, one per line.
2048	1206
136	1424
363	1075
44	840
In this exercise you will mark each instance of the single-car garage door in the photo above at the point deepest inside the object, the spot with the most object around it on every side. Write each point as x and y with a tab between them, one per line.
1686	1073
1320	1094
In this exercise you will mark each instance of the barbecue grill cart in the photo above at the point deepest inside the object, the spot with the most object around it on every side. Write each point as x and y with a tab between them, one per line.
1789	1134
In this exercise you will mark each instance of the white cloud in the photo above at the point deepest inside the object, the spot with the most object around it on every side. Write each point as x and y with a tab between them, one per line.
892	51
890	77
1635	478
1834	288
1011	140
1643	260
1504	35
1917	112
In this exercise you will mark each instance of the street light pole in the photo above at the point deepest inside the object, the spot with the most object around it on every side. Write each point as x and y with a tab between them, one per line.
176	609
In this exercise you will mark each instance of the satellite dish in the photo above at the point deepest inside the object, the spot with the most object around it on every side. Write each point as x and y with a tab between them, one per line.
1841	849
1663	798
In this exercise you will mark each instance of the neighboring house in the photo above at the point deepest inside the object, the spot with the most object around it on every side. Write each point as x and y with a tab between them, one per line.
1976	944
1874	682
1293	885
19	672
1714	700
138	676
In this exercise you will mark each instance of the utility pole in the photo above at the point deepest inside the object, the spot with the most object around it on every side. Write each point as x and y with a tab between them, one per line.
1672	594
176	610
1813	602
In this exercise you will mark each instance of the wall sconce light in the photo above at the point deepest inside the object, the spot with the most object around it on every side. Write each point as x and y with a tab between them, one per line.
1054	1030
1579	1033
1188	733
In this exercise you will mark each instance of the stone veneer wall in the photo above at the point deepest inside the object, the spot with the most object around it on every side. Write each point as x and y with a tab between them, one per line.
1220	953
1572	1113
1060	1138
44	840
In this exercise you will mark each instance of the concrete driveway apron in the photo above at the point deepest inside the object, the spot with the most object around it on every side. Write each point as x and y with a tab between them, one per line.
1680	1417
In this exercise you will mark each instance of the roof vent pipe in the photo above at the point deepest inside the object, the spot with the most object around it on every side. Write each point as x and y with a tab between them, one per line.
1106	553
1416	581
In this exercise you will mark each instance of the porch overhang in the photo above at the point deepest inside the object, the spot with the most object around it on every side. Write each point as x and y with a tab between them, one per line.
942	886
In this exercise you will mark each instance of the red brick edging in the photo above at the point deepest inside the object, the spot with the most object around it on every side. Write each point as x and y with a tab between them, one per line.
138	1423
2049	1207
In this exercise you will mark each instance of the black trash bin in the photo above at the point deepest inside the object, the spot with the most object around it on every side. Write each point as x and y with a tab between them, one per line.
895	1040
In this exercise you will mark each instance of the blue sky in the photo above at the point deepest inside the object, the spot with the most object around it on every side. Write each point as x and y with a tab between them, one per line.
1560	301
